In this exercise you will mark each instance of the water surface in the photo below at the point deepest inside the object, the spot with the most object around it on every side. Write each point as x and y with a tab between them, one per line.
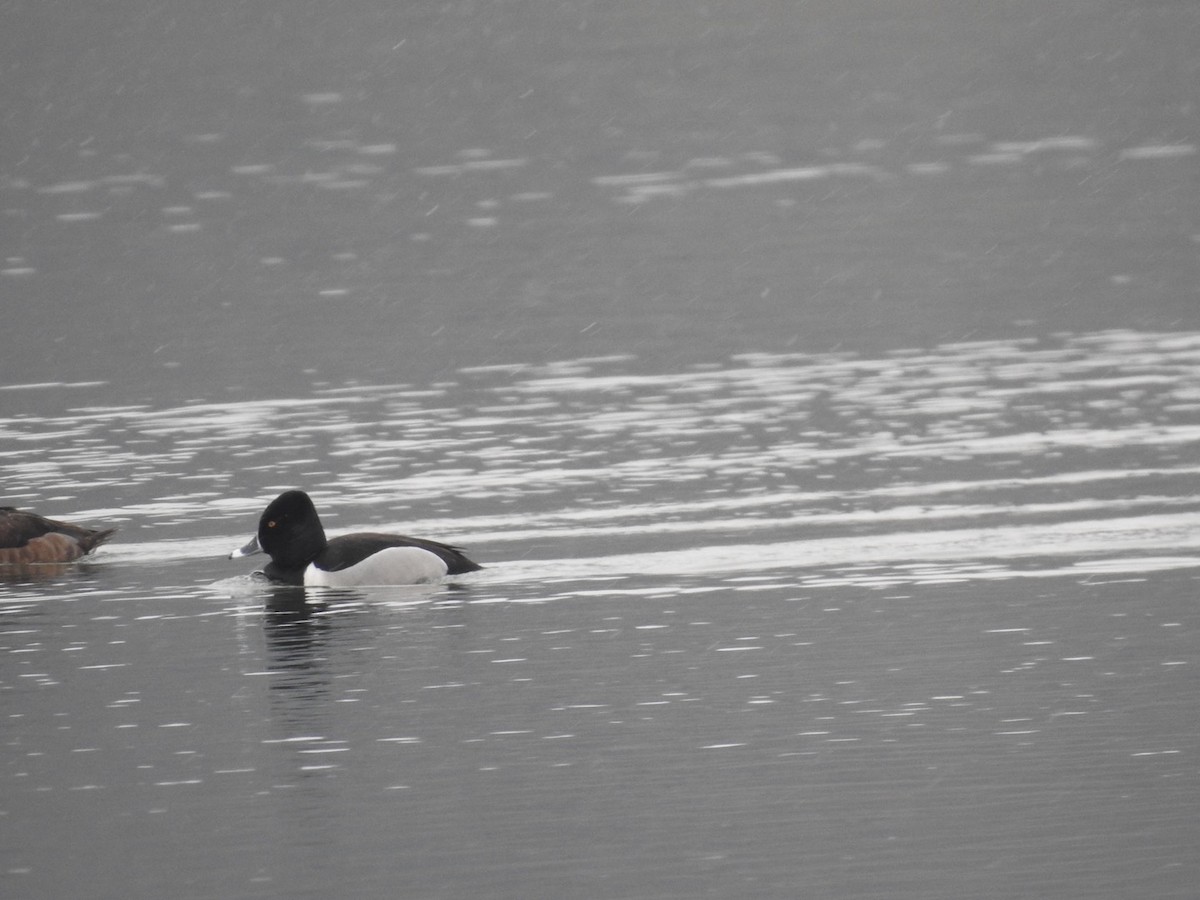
790	617
817	382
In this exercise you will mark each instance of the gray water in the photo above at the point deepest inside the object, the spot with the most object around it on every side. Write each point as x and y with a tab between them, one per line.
818	383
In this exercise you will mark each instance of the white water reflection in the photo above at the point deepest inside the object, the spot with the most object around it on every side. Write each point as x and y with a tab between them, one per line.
866	161
970	460
326	162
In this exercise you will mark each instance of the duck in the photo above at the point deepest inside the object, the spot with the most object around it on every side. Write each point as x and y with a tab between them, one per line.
290	532
29	539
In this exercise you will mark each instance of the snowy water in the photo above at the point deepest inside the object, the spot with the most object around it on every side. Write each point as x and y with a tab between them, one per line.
977	460
818	383
799	616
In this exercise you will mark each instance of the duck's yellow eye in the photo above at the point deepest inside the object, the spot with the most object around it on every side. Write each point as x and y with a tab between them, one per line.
271	524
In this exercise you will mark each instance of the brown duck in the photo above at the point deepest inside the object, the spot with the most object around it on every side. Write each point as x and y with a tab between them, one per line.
29	539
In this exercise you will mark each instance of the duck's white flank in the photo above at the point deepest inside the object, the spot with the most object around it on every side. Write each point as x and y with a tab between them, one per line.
392	565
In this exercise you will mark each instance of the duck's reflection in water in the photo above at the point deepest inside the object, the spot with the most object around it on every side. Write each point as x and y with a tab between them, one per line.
298	626
314	642
18	574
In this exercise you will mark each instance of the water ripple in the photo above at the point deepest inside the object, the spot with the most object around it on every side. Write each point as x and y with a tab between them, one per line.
985	457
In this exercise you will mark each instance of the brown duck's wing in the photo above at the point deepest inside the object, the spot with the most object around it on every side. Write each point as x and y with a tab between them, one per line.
18	528
26	537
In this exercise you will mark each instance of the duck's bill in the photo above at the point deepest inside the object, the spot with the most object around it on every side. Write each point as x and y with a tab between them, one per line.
249	550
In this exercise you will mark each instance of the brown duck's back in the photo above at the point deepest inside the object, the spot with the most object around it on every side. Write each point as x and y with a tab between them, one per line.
27	538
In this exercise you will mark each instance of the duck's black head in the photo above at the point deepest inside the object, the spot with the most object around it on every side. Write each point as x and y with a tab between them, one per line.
290	530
